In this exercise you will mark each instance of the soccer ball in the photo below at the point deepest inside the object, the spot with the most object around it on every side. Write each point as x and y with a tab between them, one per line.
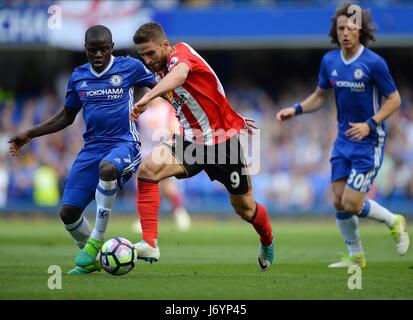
118	256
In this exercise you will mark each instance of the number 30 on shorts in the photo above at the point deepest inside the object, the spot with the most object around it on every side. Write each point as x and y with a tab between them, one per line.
358	180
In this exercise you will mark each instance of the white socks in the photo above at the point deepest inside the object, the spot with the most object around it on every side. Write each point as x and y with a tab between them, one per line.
105	197
79	230
348	225
372	210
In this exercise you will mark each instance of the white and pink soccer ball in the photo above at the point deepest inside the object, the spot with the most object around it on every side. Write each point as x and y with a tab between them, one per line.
118	256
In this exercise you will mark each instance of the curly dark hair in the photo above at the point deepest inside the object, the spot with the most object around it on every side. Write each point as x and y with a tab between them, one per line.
367	27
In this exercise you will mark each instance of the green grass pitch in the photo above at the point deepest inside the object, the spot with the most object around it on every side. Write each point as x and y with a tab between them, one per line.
214	260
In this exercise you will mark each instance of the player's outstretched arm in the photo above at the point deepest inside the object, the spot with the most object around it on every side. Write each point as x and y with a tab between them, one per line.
58	122
312	103
175	78
359	130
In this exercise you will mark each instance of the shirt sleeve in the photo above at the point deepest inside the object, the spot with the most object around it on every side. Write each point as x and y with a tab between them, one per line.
178	58
323	80
382	77
141	76
72	98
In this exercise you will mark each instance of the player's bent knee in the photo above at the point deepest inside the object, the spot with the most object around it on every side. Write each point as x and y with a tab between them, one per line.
69	214
351	206
148	171
107	171
337	204
144	170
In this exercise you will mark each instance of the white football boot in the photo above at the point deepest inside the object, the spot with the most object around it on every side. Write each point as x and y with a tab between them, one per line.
347	261
146	252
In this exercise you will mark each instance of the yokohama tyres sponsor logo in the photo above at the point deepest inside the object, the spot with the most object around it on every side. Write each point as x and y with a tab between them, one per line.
101	92
354	86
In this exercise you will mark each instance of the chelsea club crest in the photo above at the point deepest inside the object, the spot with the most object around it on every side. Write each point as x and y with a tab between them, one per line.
116	80
358	74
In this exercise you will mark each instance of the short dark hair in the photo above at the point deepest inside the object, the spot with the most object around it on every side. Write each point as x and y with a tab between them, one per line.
367	27
151	31
98	31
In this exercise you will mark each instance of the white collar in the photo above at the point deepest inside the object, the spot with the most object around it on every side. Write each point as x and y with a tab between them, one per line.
354	58
104	71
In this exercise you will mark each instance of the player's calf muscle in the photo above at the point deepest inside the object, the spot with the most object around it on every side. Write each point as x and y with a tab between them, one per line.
245	214
244	206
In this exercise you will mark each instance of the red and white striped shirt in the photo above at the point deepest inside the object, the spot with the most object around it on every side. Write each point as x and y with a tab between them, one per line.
200	103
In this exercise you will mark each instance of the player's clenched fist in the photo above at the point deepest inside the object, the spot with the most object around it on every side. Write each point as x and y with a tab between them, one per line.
17	142
140	107
135	112
285	114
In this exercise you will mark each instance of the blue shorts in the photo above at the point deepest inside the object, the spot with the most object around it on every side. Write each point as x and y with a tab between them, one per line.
80	185
359	163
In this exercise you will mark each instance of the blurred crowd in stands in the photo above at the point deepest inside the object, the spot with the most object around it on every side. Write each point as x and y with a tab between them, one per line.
294	172
166	4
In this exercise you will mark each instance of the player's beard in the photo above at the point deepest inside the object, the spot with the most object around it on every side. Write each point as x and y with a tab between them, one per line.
162	64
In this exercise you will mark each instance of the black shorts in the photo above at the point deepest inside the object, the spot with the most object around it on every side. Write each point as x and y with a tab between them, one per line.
224	162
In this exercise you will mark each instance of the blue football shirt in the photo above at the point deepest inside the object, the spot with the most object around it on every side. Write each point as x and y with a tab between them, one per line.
359	85
107	98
